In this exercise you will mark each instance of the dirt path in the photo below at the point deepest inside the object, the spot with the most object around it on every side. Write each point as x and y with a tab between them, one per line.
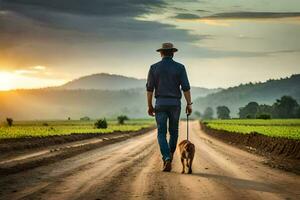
132	170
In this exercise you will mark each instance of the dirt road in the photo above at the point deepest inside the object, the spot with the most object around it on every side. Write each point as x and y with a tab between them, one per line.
131	169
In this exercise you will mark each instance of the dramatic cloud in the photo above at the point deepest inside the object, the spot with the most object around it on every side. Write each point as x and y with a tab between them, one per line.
91	7
36	30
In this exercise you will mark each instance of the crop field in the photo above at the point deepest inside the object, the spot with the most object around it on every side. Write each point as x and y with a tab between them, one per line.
22	129
287	128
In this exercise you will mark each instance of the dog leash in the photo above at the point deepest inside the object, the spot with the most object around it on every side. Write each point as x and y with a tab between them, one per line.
187	127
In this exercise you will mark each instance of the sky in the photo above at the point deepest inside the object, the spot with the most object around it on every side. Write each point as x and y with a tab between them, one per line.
222	43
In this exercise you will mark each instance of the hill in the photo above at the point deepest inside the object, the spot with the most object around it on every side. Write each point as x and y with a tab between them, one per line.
105	82
263	93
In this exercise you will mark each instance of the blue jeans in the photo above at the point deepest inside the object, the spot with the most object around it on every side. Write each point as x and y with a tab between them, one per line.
162	115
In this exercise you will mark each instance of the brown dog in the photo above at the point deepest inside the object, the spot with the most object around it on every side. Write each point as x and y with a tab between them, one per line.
187	152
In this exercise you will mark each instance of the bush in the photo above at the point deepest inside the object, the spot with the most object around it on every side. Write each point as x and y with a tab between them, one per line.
85	119
9	121
122	119
45	124
101	123
263	116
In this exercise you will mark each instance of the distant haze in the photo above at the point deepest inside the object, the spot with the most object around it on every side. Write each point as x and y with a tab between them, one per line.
117	82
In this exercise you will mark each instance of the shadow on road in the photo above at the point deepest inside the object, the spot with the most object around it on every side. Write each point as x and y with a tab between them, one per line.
242	183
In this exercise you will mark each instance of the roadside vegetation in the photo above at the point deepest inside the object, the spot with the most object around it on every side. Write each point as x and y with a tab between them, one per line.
22	129
286	128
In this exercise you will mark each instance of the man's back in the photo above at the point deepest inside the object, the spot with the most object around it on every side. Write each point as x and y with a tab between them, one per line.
166	77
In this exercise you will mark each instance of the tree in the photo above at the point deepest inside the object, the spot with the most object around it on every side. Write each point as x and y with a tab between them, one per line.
223	112
9	121
249	111
101	123
208	113
264	109
122	119
285	107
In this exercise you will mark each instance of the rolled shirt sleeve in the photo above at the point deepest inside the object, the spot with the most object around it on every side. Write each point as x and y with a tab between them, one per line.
150	80
184	81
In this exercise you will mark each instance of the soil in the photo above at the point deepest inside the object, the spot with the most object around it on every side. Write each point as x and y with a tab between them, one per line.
26	153
283	152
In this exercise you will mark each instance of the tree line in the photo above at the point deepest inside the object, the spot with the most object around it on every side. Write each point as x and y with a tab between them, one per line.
283	108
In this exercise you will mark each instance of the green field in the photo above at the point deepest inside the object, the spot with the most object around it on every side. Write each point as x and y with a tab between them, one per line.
287	128
22	129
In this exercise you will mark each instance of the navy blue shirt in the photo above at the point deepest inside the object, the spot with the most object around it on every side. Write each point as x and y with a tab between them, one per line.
166	78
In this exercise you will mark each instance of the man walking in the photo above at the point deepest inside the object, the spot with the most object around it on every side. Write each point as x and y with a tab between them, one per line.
167	78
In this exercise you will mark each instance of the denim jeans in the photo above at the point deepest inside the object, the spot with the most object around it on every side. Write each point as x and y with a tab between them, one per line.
163	114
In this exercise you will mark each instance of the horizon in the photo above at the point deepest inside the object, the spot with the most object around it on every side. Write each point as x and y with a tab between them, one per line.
221	44
50	86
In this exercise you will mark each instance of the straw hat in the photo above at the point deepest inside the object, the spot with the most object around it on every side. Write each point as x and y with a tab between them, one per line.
167	46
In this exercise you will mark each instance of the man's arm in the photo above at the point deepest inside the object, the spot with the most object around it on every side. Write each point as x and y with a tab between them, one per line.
187	96
150	106
185	86
150	89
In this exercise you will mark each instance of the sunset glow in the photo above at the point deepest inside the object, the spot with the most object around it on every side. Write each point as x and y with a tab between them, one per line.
6	81
15	80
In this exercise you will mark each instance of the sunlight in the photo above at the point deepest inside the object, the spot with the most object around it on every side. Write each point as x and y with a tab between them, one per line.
19	80
6	81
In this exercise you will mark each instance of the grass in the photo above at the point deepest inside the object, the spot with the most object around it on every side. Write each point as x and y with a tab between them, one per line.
22	129
286	128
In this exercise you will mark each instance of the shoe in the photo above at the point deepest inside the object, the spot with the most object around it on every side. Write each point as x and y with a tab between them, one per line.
167	166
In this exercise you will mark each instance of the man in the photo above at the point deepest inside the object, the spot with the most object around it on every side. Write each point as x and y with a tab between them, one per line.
167	78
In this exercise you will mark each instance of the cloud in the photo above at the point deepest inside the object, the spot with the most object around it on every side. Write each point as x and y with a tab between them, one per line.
38	30
252	15
201	10
210	53
186	16
92	20
238	15
40	68
34	71
91	7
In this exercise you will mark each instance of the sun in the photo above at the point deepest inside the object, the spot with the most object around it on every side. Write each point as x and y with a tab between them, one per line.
6	81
